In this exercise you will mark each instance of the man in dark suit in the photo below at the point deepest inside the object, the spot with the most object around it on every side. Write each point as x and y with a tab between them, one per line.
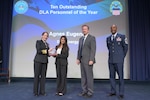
117	46
86	59
40	65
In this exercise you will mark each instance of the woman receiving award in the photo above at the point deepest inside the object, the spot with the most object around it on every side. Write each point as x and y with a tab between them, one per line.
62	53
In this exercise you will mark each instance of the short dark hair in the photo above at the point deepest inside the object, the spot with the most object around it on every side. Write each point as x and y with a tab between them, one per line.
113	25
44	33
86	26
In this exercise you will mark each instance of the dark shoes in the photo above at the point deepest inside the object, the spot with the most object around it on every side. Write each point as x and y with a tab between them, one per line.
36	95
85	95
112	94
40	94
43	94
82	94
88	96
121	96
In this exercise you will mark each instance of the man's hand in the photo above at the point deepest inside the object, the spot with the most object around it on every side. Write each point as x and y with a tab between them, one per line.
91	62
51	49
78	61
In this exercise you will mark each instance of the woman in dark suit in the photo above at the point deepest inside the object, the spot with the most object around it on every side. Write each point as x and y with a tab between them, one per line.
40	65
62	52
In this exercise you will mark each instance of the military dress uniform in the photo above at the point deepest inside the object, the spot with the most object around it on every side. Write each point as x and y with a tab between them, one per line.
40	67
117	46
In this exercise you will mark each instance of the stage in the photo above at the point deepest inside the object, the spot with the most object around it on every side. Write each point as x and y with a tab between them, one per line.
22	89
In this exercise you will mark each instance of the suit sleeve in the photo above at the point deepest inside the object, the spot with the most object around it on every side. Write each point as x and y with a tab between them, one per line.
125	45
93	49
78	52
38	47
107	43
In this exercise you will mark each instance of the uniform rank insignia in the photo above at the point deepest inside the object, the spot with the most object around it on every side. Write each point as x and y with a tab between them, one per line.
126	41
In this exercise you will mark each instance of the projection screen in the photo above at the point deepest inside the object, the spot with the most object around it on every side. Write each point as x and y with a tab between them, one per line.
64	17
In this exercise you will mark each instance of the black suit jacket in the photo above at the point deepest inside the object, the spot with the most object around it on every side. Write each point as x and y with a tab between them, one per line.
62	58
39	57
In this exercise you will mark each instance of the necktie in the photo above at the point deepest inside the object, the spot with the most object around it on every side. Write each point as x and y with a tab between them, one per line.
113	38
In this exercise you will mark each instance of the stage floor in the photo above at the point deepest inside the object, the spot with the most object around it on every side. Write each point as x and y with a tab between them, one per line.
22	90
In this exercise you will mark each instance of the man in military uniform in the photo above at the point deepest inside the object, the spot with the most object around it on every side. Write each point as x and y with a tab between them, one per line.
117	46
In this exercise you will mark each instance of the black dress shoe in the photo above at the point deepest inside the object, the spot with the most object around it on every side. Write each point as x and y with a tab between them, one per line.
88	96
111	94
121	96
36	95
82	94
43	94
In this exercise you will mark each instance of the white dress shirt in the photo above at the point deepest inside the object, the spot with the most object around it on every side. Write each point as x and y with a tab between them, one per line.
59	50
114	36
85	36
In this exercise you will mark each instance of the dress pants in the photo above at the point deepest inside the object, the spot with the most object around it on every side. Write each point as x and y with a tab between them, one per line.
40	70
87	78
113	68
61	71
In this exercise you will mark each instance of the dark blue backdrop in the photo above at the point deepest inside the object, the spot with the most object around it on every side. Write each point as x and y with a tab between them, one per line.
5	29
139	33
